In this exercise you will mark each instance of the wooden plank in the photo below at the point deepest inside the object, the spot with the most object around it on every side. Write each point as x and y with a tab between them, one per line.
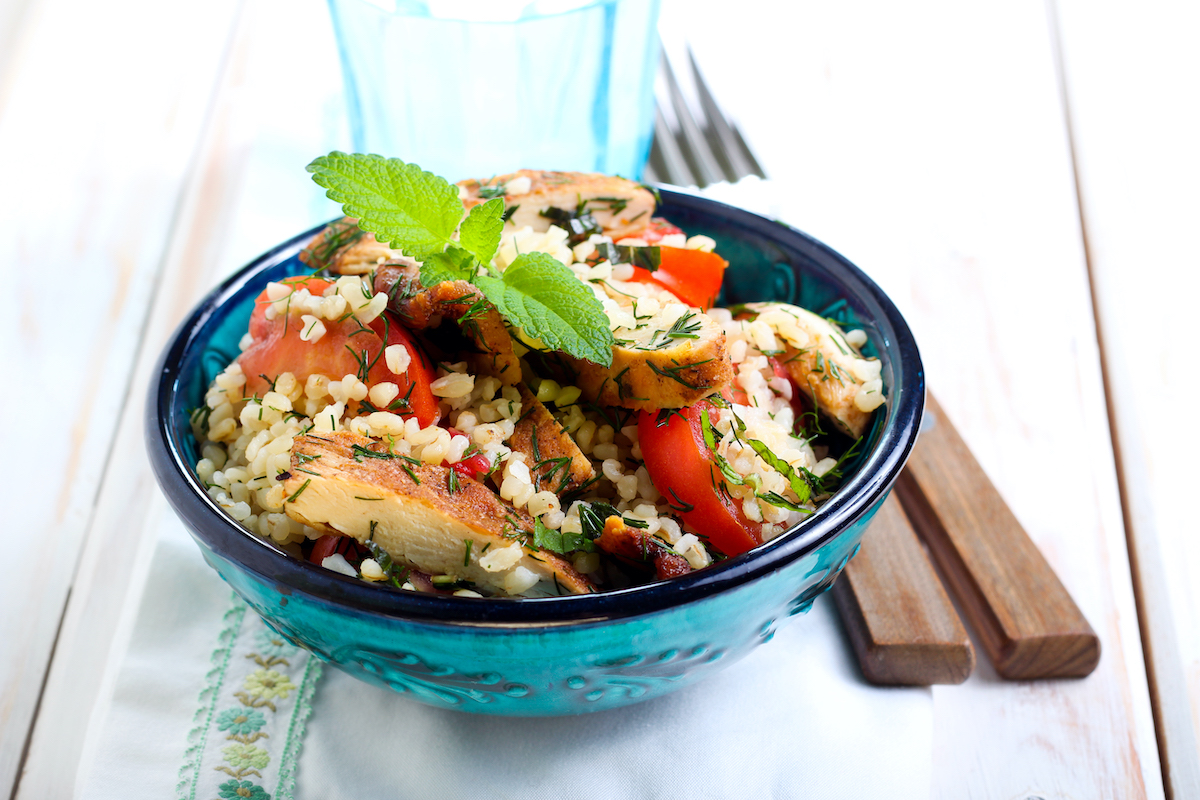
900	622
98	122
12	22
930	207
927	142
228	213
1029	624
1135	121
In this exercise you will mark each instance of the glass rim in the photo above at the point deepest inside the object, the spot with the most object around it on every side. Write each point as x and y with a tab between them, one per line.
389	7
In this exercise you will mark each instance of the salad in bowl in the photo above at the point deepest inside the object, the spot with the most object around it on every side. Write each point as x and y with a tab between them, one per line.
539	444
524	386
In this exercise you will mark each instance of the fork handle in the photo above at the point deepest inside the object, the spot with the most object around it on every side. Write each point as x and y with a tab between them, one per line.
1027	622
897	616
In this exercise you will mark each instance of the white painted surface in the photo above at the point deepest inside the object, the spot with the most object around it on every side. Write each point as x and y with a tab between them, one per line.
98	125
924	141
1134	88
250	141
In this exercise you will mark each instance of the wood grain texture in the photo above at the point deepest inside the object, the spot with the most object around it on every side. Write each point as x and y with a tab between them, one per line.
900	622
247	191
926	142
1139	219
1029	624
12	21
99	123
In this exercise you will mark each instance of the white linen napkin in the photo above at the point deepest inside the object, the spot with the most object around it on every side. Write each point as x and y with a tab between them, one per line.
792	719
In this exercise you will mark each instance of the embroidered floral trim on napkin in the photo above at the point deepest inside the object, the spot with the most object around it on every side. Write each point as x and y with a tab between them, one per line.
252	714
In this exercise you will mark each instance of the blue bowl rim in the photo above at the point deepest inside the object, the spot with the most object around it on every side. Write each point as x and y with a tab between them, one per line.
867	486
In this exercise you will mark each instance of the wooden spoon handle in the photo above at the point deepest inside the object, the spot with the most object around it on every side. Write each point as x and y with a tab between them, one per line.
1024	617
899	620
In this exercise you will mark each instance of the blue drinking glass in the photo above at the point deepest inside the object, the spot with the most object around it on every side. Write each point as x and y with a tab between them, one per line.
471	89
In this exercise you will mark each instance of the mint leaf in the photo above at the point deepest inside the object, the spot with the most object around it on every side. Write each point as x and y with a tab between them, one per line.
402	205
480	231
455	264
545	299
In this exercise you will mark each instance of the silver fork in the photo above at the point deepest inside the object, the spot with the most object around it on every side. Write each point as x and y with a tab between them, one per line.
695	142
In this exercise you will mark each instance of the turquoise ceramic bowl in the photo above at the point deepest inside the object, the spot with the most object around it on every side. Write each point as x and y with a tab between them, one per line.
559	655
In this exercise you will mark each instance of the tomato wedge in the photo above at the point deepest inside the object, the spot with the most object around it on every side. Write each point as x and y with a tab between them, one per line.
684	472
475	466
694	276
347	348
655	231
325	546
798	402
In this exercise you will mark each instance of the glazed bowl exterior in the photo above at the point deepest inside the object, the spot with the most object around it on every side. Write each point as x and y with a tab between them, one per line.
556	655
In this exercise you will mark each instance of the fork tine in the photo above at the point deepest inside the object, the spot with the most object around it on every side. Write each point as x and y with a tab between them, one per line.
692	144
666	162
729	141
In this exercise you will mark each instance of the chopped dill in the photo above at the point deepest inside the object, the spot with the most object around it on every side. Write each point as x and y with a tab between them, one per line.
683	507
298	492
673	372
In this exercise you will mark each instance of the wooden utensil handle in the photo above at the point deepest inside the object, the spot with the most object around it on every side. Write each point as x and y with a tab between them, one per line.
1024	617
900	621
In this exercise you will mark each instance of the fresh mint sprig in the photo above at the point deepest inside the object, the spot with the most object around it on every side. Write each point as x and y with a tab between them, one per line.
480	231
551	304
410	209
418	212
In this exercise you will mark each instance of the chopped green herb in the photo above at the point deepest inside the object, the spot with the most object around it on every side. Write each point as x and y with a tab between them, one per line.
673	372
396	574
358	452
560	542
592	517
798	482
615	204
682	507
779	500
339	236
579	224
297	493
411	474
664	417
488	192
706	429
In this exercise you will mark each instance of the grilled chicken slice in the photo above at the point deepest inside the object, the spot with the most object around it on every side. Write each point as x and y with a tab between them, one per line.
668	359
342	483
422	308
556	462
619	206
618	539
346	249
844	385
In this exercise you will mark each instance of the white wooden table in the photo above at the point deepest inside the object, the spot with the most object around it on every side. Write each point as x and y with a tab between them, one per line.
1020	177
